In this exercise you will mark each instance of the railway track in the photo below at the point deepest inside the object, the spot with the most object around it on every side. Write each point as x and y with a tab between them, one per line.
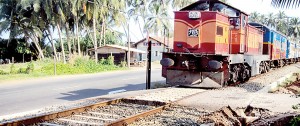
127	111
113	112
110	113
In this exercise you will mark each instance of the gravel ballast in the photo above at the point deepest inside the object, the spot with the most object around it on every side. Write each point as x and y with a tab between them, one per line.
173	116
169	95
260	81
103	115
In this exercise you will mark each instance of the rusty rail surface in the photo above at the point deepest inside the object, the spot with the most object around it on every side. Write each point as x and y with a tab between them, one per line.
131	119
46	117
55	115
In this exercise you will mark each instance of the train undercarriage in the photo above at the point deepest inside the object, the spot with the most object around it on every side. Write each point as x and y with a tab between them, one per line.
215	71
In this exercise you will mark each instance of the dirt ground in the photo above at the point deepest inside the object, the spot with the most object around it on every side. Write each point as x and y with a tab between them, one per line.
293	88
249	116
227	116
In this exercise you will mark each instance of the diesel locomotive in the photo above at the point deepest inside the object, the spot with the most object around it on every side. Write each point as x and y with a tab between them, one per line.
214	45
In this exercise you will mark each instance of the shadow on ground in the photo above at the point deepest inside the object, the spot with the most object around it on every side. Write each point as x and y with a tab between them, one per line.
87	93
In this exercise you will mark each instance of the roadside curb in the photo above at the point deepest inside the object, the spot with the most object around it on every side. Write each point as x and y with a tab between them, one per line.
279	82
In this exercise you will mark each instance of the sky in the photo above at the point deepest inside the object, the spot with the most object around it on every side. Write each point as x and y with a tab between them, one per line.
248	6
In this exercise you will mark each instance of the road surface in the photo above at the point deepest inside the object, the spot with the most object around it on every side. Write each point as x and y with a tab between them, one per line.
21	96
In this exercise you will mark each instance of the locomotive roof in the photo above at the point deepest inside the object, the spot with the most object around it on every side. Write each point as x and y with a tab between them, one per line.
271	29
210	1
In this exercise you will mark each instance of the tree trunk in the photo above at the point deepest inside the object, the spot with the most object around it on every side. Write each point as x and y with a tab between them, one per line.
101	33
77	34
74	43
37	45
140	28
53	46
61	43
104	33
68	39
94	35
23	57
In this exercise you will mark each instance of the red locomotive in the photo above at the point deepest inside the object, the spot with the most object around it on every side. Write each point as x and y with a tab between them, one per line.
215	45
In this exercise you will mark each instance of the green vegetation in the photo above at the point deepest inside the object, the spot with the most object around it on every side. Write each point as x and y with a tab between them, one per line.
82	25
42	68
289	26
295	121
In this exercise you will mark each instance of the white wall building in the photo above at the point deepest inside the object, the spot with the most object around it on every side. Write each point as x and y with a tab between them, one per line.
159	45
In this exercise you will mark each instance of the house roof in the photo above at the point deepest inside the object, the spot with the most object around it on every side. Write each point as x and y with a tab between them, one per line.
160	40
120	47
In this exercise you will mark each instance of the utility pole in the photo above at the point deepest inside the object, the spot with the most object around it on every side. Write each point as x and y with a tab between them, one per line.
164	46
148	74
128	52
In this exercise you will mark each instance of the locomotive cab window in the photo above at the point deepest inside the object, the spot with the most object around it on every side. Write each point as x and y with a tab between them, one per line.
219	30
244	21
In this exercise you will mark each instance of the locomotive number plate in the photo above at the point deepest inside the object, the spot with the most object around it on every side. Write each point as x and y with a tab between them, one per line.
193	32
194	14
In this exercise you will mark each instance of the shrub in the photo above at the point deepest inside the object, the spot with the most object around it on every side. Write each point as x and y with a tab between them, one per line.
102	61
110	60
3	72
22	71
13	69
123	64
30	67
80	65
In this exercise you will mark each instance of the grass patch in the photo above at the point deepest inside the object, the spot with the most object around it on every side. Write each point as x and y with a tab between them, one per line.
76	65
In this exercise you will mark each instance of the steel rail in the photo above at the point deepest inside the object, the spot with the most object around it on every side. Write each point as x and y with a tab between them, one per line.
131	119
160	106
64	113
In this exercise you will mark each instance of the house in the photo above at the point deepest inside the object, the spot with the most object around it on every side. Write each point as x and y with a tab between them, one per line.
159	45
119	53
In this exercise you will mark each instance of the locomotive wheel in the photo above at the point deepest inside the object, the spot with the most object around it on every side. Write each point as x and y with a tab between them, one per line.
235	74
244	76
262	67
281	63
267	66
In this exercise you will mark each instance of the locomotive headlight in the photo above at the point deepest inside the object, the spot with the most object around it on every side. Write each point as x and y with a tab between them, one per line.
167	62
214	64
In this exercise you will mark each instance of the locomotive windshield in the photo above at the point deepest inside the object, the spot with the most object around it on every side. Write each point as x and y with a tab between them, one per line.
201	7
214	6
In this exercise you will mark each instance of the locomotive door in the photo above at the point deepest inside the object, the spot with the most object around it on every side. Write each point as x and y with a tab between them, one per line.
243	34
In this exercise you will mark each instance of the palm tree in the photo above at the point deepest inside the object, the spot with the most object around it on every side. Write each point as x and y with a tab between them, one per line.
294	27
254	17
59	19
158	20
68	24
271	20
263	19
285	3
47	11
138	11
177	4
281	22
78	7
19	20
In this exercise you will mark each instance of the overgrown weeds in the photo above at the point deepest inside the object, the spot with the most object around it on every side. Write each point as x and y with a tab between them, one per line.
76	65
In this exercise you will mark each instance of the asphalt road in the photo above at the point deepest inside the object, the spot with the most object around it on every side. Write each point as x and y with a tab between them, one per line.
26	95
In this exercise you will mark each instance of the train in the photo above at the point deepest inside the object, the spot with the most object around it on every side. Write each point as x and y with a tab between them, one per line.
215	45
